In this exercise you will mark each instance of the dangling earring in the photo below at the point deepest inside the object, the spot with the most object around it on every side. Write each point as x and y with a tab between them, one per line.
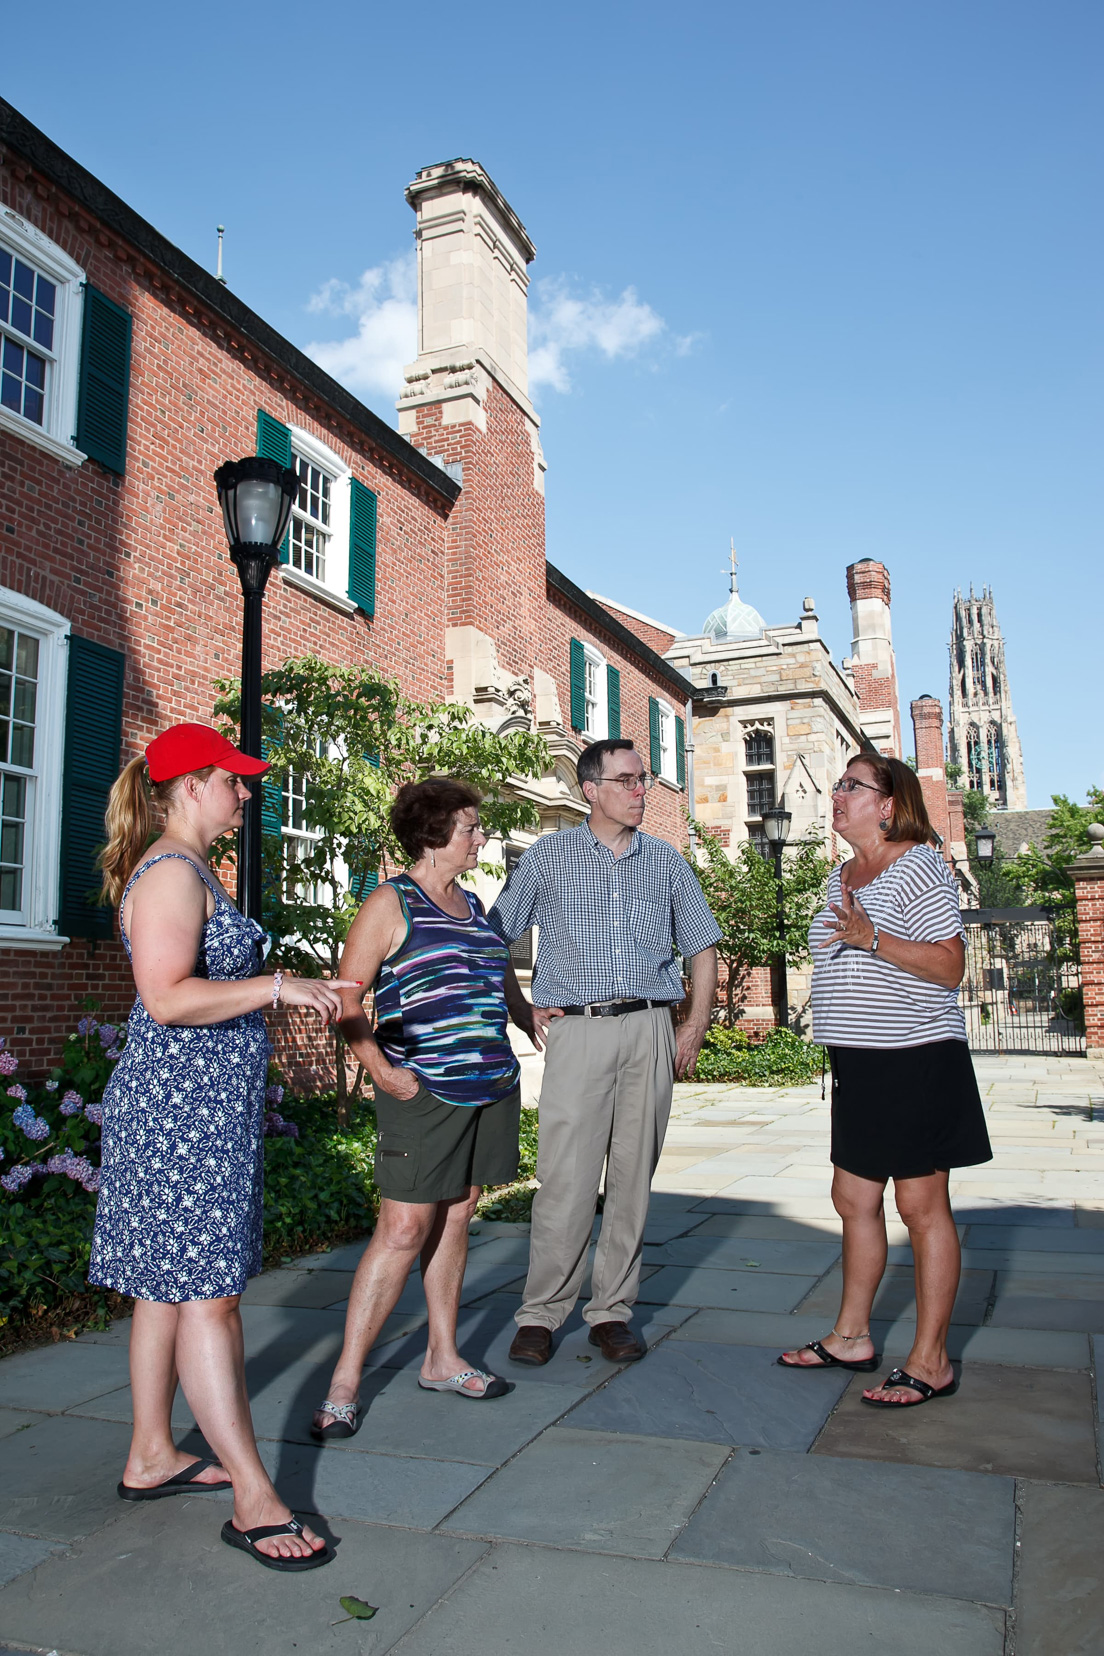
432	860
884	824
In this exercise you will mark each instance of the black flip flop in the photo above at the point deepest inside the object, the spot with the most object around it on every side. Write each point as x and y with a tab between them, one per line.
899	1378
247	1541
866	1366
181	1483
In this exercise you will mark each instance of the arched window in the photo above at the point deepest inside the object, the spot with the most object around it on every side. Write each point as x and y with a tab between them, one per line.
996	758
977	663
759	748
973	757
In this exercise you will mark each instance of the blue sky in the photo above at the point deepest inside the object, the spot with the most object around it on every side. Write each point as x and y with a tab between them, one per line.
822	276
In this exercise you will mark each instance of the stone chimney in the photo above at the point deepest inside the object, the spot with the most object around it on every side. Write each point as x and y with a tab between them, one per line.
927	724
873	663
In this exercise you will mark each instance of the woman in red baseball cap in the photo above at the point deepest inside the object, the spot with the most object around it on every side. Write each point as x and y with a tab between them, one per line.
178	1223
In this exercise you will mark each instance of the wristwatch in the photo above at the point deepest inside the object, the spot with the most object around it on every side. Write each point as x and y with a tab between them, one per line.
877	938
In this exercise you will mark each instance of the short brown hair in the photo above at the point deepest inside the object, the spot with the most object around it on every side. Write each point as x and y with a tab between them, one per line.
424	813
900	783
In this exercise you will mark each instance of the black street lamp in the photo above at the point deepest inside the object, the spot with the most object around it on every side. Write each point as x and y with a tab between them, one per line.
256	497
985	844
776	826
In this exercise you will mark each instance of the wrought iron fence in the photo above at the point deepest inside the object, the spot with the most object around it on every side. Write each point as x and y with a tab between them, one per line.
1021	992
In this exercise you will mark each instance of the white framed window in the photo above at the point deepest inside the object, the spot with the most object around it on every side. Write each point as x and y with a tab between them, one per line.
668	757
299	843
33	665
318	533
41	305
595	694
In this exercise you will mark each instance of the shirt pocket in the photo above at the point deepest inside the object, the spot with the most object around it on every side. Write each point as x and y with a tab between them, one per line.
650	926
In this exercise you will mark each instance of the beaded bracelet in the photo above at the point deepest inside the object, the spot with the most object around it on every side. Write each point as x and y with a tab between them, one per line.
277	985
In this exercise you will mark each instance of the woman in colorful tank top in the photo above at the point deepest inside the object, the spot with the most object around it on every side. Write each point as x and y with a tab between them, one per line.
446	1081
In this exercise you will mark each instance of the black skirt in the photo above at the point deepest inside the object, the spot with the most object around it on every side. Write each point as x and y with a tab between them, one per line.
905	1112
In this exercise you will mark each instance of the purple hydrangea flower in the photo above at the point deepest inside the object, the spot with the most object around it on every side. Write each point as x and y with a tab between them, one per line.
274	1094
92	1183
290	1130
107	1033
87	1026
38	1171
16	1179
9	1063
71	1103
94	1113
114	1054
51	1086
17	1092
30	1123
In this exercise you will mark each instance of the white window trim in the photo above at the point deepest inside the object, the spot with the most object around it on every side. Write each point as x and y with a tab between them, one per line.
55	435
601	707
44	833
334	590
668	752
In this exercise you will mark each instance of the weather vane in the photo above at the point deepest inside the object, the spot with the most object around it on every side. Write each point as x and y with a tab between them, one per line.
734	562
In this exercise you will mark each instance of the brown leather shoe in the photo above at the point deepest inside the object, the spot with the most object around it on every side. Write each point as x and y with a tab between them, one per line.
618	1343
531	1344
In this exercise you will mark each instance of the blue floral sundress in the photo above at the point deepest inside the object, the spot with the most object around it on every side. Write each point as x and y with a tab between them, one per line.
180	1209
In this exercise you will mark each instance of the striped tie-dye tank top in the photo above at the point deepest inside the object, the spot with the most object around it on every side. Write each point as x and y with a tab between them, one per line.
441	1004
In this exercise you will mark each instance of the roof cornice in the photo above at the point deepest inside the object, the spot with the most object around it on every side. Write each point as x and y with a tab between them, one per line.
609	623
19	135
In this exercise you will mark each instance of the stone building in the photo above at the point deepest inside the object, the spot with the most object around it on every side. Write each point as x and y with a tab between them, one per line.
129	375
983	738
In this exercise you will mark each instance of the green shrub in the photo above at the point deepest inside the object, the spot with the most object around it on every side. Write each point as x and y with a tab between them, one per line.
514	1202
782	1059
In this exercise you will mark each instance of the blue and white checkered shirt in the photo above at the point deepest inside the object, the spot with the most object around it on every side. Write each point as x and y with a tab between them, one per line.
607	924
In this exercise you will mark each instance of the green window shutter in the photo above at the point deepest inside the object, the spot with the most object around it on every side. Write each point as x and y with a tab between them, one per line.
362	548
653	733
93	735
680	750
613	703
104	391
272	792
578	686
274	443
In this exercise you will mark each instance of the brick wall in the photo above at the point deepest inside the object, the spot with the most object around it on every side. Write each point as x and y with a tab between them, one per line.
1088	877
657	638
927	725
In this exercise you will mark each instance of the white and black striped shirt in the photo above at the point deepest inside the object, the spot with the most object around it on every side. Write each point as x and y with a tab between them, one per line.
859	999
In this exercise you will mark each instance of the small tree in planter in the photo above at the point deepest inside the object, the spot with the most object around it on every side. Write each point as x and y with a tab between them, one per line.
742	895
341	740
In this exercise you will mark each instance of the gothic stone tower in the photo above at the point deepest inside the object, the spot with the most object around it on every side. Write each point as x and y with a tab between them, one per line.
983	737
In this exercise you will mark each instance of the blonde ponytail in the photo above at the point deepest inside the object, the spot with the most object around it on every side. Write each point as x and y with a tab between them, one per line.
129	823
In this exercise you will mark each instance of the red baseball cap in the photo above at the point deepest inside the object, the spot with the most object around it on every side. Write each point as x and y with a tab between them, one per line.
189	747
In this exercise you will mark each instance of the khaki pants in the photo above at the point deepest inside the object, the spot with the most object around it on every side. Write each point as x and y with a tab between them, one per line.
606	1098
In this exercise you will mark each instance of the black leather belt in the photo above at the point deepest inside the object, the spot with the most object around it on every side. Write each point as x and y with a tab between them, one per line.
610	1009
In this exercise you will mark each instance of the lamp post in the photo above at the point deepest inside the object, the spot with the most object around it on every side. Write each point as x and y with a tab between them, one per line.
985	845
776	826
256	497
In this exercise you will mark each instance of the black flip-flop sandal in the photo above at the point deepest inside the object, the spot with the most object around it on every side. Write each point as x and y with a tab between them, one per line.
247	1541
345	1424
899	1378
866	1366
181	1483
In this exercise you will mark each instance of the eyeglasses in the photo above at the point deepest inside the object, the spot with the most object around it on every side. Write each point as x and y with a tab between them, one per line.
631	781
848	784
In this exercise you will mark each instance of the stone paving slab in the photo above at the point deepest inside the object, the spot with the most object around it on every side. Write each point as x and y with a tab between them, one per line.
1085	1316
578	1602
897	1294
1030	1263
715	1394
57	1479
997	1210
55	1377
163	1567
14	1420
310	1290
729	1254
1060	1587
374	1488
738	1290
1023	1423
943	1532
596	1490
768	1227
1029	1239
20	1553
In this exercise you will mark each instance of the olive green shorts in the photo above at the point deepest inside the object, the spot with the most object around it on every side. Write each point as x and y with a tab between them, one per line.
429	1151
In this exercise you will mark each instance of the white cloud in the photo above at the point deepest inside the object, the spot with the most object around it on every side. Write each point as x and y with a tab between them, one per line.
560	322
384	303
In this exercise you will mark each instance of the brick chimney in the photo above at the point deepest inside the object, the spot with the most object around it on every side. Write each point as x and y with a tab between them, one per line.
927	724
872	659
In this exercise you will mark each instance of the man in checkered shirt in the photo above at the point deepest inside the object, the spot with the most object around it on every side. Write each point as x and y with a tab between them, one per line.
610	903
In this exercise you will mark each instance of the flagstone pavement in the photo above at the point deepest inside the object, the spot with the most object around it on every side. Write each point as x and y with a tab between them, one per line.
702	1500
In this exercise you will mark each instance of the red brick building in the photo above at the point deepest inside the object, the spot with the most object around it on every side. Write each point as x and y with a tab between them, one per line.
128	374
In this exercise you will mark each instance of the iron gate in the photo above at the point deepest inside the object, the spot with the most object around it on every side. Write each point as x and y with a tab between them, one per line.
1019	994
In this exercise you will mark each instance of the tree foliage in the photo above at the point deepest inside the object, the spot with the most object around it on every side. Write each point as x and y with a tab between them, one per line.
351	738
1042	873
742	893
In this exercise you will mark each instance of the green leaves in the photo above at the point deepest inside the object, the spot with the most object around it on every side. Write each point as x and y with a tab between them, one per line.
356	1610
783	1059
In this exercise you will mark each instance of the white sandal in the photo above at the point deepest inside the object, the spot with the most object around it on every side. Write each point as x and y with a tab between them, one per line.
492	1385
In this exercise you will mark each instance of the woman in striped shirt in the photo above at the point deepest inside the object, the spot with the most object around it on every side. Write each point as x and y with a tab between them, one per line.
889	955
